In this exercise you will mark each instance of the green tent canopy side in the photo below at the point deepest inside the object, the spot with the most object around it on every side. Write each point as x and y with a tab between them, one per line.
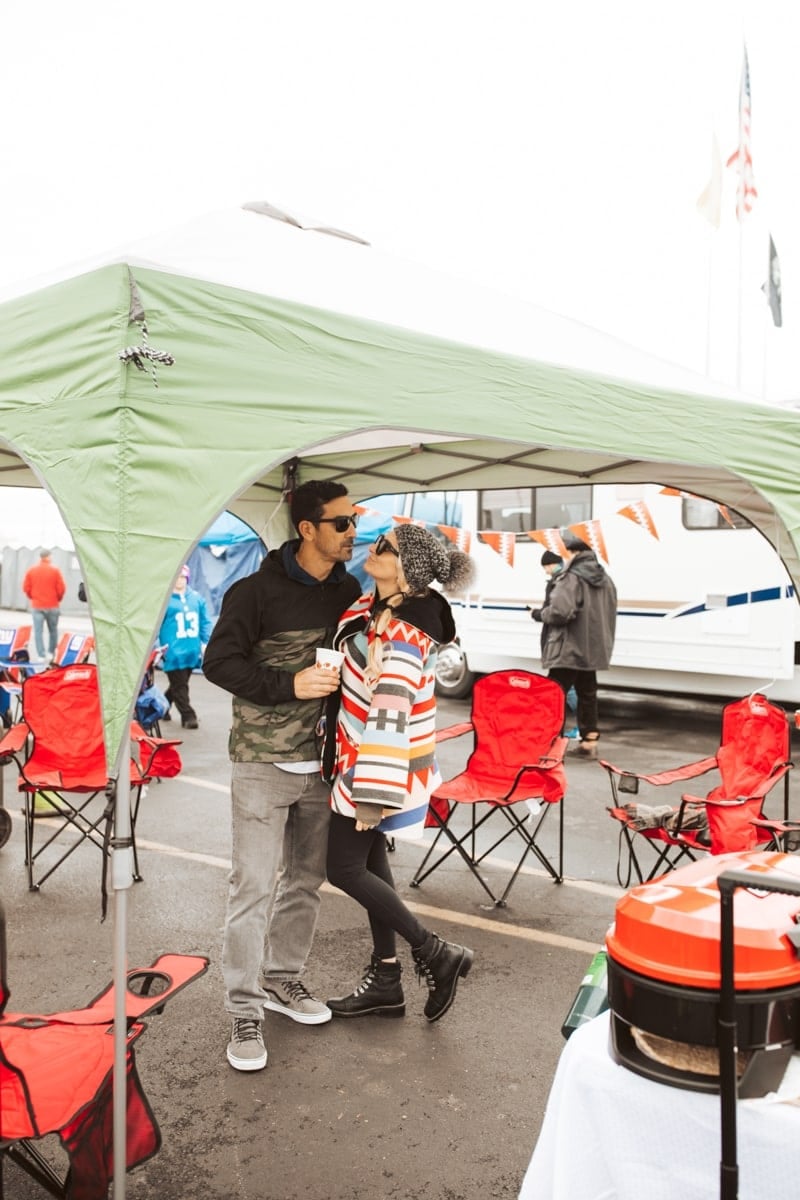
140	462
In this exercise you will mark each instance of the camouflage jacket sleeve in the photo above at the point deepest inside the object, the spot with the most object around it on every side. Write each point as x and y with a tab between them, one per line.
230	660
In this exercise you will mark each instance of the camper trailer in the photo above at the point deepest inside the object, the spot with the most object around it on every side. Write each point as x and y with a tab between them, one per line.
705	604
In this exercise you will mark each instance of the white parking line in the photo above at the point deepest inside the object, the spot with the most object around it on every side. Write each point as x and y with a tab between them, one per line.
425	910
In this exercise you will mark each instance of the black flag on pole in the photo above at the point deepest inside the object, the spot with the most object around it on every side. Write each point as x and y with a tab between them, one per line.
772	288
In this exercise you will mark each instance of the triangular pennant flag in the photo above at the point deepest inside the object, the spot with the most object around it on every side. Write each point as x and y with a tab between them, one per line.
639	513
550	539
409	521
461	537
672	491
502	542
362	510
591	533
725	514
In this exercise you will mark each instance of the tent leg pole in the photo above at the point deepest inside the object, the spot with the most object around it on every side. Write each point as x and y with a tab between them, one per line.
122	881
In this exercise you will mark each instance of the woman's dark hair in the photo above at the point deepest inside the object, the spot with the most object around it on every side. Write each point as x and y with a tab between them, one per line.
309	500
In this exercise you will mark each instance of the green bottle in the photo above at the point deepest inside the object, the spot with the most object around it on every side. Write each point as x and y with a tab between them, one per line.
592	995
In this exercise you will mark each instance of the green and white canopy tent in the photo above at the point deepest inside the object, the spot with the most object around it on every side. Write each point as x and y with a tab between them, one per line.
292	345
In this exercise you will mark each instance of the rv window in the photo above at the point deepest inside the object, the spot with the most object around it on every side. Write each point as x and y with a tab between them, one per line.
437	508
557	506
707	514
506	509
393	505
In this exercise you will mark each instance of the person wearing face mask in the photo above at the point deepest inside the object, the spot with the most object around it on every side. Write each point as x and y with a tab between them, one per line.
385	765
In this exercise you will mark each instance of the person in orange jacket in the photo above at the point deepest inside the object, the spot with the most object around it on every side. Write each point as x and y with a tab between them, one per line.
45	587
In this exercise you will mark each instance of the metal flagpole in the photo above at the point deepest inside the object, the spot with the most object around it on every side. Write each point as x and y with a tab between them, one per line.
740	313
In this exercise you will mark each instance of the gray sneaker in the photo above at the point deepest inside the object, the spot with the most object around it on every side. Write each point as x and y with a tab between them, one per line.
246	1050
290	997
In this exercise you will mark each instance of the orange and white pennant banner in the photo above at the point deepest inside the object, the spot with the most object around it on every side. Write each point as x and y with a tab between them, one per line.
550	539
639	513
461	537
592	533
502	542
671	491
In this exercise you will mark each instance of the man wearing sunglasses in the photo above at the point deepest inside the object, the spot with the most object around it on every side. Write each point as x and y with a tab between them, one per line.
263	651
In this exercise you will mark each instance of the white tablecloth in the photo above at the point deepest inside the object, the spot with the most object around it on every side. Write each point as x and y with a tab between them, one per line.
609	1134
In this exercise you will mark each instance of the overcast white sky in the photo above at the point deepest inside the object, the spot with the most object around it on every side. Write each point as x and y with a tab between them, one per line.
555	149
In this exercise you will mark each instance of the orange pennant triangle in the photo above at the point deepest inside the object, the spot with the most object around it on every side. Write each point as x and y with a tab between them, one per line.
592	533
550	539
639	513
461	537
503	543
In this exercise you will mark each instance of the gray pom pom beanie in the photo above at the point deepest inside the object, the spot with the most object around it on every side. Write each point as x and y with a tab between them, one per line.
424	558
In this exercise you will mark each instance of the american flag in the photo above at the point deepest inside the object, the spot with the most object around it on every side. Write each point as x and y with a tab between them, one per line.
746	188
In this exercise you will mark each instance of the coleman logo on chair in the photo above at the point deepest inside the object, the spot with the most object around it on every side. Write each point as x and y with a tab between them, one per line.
78	673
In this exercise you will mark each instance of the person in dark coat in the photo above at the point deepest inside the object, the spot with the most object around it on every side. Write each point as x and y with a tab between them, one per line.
578	626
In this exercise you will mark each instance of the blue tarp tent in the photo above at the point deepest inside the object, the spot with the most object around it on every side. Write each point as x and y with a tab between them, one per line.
229	549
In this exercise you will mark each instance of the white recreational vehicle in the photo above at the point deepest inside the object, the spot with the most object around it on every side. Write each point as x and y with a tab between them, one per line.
705	604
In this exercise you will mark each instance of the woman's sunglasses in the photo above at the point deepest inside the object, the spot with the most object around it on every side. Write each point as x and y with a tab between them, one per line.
382	544
340	524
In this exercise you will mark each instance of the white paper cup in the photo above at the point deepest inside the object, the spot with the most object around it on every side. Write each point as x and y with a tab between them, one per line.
330	659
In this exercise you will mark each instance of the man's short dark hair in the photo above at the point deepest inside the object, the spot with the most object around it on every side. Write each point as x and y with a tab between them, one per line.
309	500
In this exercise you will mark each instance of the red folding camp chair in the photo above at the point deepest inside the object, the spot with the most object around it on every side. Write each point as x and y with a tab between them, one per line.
517	763
56	1077
60	754
753	756
72	649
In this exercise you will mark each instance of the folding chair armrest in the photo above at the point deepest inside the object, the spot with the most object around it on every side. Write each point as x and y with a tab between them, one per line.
672	775
546	763
688	802
453	731
159	748
14	741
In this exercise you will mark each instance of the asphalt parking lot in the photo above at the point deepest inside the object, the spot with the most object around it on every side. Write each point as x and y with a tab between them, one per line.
390	1110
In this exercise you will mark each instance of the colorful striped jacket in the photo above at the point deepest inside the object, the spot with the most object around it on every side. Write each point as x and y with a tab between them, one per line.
385	736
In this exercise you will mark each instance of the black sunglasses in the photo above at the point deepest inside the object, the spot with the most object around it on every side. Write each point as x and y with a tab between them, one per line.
382	544
340	524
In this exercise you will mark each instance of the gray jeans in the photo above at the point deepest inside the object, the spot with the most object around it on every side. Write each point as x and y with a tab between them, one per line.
279	846
48	617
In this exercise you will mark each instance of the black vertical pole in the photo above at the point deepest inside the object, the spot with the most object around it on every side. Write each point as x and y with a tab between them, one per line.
729	1168
727	882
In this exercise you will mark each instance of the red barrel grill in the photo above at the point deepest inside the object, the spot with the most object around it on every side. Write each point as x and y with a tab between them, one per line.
664	976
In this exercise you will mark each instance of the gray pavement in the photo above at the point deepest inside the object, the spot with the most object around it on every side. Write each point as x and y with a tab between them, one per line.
369	1108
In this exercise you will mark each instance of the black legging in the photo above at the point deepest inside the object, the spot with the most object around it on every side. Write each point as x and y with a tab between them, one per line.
358	863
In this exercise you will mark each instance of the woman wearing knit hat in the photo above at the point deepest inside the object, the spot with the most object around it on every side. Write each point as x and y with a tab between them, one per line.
385	759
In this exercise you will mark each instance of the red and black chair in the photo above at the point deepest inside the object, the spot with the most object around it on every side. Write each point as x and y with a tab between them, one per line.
514	777
752	758
60	753
56	1077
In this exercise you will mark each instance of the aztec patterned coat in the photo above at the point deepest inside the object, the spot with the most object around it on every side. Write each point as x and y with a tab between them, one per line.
386	733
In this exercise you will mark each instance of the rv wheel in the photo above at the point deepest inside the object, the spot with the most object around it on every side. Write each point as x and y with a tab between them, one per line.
453	676
5	826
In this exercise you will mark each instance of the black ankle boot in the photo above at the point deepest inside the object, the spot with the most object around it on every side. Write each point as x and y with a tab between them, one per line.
380	992
441	964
